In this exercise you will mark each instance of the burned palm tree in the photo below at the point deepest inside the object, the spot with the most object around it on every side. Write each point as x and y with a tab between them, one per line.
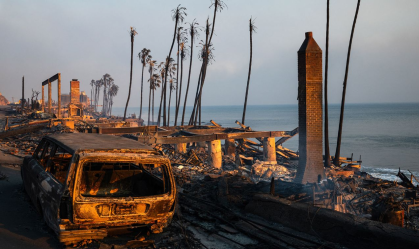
342	107
151	69
193	32
98	86
252	28
92	83
145	57
327	162
110	83
106	80
113	91
132	34
206	55
178	16
172	84
182	52
218	6
155	82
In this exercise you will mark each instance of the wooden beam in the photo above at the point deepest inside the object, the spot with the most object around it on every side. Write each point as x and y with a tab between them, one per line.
128	130
45	82
26	129
210	137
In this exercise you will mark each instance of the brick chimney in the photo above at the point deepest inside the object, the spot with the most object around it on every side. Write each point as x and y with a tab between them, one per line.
310	111
75	91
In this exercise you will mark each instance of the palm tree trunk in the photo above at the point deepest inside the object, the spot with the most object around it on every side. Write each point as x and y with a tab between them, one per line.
327	162
149	100
177	77
168	109
130	77
160	106
250	71
342	107
141	101
192	118
180	90
167	67
189	80
152	108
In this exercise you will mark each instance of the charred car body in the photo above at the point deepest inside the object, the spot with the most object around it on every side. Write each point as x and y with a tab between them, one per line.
85	185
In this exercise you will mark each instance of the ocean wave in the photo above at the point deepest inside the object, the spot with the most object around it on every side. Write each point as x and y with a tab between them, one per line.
387	174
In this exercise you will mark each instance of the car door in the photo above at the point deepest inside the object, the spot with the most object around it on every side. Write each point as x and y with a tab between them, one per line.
47	190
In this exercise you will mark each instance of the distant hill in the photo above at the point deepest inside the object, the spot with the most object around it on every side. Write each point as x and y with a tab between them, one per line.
3	100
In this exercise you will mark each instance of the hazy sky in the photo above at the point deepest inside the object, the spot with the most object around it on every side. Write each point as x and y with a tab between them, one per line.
86	39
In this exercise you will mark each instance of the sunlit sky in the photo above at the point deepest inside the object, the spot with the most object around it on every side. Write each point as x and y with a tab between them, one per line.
86	39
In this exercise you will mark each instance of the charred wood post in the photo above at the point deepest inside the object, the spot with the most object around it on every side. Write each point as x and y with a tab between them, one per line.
310	122
181	147
215	155
43	99
230	147
59	96
49	97
269	151
48	81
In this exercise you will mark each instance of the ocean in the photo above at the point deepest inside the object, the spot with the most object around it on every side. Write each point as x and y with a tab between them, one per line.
385	136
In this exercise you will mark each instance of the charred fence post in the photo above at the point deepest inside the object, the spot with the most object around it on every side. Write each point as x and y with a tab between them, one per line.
269	150
230	147
214	151
310	111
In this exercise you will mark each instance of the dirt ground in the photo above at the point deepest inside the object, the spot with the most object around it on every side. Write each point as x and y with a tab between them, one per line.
20	225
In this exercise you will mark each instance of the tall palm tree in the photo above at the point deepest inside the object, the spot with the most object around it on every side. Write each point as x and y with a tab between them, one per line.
92	83
182	40
342	107
113	92
145	57
219	5
172	83
156	83
193	32
162	70
327	162
110	82
151	69
178	15
106	83
252	28
132	34
98	86
202	55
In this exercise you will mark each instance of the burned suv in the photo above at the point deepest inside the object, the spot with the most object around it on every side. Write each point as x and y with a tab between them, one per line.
85	185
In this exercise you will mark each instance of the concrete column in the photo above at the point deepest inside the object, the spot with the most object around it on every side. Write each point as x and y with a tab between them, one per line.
269	150
214	151
230	147
181	148
310	120
43	100
49	97
59	96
